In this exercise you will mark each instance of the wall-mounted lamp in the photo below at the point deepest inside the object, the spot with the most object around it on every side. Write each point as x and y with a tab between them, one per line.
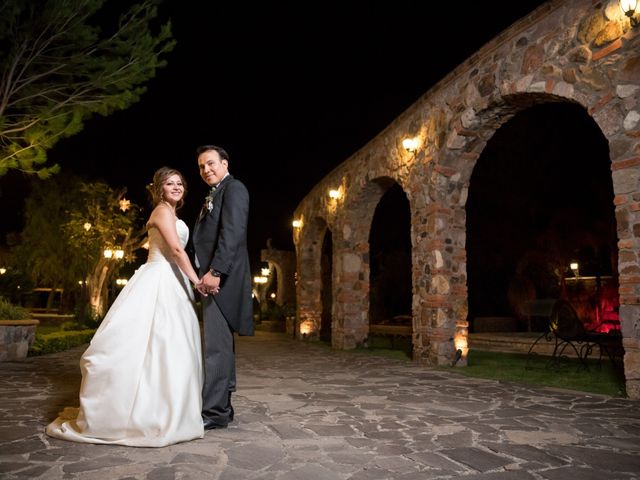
629	7
3	271
121	282
335	194
296	223
87	226
410	144
260	280
265	272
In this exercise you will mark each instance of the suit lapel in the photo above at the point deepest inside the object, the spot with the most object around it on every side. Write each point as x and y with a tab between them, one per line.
214	199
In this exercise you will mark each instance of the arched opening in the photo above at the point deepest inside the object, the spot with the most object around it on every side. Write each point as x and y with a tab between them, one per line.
390	271
540	199
326	273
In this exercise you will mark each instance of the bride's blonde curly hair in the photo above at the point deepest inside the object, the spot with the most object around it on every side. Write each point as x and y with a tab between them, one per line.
161	176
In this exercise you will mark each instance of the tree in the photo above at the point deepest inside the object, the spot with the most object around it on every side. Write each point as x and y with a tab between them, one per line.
58	68
106	221
41	251
68	224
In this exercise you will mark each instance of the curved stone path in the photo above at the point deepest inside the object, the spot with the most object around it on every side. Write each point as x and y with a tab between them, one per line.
305	412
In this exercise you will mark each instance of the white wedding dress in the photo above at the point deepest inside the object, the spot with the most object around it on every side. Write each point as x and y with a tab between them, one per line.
142	373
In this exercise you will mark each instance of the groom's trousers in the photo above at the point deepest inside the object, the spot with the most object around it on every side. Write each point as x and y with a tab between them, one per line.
219	365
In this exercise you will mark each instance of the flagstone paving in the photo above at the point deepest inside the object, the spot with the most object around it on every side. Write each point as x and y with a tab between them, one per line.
306	412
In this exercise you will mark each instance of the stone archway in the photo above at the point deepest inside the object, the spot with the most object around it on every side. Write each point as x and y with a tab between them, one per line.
539	199
352	263
284	264
390	258
309	272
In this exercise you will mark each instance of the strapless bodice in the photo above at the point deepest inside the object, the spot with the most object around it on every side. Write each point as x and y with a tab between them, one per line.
158	248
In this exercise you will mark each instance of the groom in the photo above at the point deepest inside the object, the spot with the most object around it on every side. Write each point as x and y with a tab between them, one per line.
220	245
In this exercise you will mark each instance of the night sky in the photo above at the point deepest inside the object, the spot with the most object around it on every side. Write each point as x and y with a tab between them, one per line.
289	89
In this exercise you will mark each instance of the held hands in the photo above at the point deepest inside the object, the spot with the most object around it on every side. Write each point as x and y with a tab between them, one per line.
208	284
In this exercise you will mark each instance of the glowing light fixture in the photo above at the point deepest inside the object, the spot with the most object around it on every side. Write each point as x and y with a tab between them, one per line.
629	7
87	226
260	280
125	204
574	268
265	272
117	253
297	223
306	328
335	194
410	144
3	271
273	295
121	282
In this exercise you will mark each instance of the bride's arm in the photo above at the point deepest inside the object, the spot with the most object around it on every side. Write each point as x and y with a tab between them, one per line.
163	219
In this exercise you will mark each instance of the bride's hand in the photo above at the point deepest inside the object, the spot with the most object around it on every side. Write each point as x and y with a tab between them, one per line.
201	288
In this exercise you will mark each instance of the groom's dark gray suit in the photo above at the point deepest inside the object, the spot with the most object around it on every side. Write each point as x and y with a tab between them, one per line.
220	244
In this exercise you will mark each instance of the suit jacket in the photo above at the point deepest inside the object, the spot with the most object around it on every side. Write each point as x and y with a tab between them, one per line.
220	242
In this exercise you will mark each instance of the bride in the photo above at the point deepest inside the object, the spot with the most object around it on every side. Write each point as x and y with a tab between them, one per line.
142	372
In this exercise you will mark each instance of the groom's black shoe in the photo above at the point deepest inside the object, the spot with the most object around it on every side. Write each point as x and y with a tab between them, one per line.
210	424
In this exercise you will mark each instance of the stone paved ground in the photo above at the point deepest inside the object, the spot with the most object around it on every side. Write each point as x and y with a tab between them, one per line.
305	412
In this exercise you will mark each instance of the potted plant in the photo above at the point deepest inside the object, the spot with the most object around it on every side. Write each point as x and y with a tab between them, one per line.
17	331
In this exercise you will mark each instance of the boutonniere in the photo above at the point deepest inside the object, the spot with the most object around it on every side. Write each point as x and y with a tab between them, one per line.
208	200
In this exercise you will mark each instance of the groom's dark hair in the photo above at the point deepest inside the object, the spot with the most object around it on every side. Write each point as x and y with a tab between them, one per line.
205	148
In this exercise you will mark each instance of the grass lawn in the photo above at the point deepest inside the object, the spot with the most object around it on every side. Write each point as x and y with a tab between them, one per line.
512	367
570	374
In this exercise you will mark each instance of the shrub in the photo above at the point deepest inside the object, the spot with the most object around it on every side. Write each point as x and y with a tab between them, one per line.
85	318
60	341
9	311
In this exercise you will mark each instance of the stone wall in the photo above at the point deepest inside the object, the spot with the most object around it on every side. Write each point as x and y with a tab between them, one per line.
579	51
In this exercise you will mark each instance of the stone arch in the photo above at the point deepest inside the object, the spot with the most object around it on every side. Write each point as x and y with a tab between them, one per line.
352	262
580	157
309	282
284	264
390	290
625	178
